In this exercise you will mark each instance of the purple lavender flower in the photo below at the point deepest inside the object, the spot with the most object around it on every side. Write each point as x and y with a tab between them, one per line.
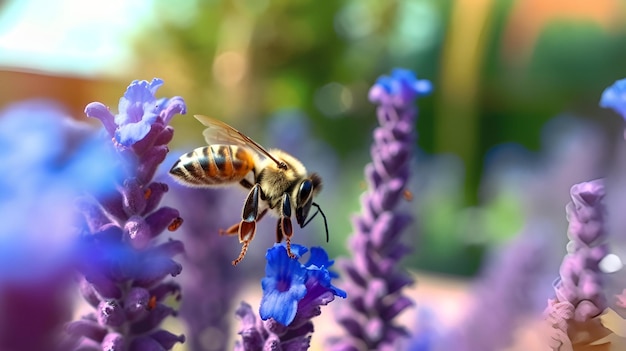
615	97
426	332
209	282
579	289
375	281
139	112
292	294
502	298
46	160
123	263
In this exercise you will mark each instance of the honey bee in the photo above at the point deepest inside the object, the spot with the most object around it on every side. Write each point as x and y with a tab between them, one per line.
279	184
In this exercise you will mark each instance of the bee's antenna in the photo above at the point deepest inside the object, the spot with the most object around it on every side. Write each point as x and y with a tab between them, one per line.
323	216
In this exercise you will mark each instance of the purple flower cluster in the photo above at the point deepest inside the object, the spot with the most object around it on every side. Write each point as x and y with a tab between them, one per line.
123	265
502	298
579	289
375	281
292	294
209	281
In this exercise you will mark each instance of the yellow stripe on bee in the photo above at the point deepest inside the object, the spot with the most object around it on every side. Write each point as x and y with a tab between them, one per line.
225	164
214	165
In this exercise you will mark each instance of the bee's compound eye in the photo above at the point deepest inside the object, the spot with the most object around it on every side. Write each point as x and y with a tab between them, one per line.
306	188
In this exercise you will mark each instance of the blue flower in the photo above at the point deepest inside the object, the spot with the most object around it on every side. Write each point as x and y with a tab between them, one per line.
400	88
139	110
615	97
318	265
283	285
290	287
46	160
293	294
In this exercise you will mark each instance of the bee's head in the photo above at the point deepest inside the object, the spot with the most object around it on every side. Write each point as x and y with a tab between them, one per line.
306	190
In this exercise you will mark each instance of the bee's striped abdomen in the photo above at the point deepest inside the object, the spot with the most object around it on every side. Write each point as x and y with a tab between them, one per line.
213	165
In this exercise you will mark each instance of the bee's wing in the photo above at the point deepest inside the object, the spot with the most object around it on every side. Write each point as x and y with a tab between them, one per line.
218	132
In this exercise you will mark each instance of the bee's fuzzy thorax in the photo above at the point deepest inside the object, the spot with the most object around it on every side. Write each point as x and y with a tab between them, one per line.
275	181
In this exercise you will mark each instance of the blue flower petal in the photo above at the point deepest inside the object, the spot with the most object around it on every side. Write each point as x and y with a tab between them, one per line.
401	88
131	133
155	84
615	97
297	250
137	101
279	264
101	112
323	277
167	108
403	75
161	104
138	110
423	87
283	285
280	306
386	83
318	257
287	282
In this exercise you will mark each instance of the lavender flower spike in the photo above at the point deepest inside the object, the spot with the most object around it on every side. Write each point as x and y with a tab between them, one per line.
501	298
208	282
123	266
615	97
292	294
375	281
579	289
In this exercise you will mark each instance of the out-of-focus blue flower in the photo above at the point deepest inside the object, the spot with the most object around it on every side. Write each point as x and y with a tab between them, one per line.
139	110
615	97
46	160
292	294
399	89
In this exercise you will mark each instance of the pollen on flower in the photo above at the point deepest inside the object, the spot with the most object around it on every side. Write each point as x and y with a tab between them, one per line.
147	193
176	223
152	303
408	195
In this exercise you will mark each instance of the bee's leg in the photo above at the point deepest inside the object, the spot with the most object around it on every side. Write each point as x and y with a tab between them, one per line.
234	229
247	226
245	238
279	231
245	183
284	227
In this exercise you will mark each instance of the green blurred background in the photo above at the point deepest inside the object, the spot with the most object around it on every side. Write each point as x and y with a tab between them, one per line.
501	69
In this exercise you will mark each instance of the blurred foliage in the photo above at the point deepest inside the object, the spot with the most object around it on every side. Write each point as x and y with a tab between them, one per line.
245	60
248	59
